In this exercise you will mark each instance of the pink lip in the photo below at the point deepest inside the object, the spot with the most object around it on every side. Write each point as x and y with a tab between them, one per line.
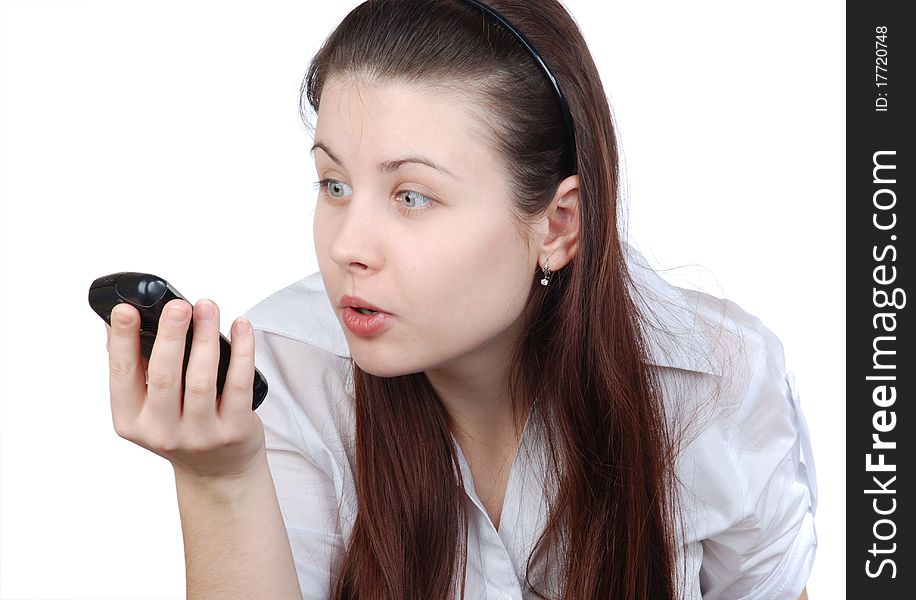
365	325
357	302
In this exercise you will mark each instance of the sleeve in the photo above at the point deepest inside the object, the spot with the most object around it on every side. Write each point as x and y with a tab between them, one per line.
767	550
306	473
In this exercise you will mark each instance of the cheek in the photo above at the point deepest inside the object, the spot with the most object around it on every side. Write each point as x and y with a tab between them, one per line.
324	229
458	295
475	287
320	226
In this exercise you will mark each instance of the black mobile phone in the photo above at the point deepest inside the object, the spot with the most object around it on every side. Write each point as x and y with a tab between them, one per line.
149	294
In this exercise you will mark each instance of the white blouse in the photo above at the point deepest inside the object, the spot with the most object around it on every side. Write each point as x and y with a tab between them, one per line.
748	484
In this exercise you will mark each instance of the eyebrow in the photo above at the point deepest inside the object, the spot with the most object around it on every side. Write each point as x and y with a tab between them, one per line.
390	166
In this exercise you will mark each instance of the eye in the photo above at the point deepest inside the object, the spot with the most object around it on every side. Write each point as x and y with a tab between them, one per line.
414	197
335	189
331	187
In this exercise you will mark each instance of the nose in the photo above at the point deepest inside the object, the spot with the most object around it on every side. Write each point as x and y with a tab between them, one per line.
353	230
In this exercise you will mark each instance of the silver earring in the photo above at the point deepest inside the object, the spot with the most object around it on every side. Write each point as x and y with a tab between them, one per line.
546	279
546	272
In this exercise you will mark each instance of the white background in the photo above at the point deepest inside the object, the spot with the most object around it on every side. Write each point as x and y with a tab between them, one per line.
164	137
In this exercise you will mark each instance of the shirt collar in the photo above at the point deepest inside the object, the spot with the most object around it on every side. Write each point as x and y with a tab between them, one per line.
672	324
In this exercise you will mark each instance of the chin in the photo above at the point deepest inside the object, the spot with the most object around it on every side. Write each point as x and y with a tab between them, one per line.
381	368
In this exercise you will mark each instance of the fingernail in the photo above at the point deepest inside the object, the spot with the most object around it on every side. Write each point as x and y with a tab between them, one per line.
242	327
121	317
176	314
205	309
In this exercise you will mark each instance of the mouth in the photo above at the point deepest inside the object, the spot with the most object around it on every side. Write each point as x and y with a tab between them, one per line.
365	322
359	305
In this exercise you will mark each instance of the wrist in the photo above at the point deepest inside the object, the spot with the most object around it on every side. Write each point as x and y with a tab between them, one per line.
225	489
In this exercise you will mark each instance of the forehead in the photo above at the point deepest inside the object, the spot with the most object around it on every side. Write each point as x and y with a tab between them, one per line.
359	118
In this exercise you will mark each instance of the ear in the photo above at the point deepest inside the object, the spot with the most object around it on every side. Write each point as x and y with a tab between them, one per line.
561	222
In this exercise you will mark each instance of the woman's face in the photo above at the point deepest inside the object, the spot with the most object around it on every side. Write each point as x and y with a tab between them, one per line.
438	249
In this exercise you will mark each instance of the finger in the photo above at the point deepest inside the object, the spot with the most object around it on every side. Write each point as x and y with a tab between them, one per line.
200	382
125	374
163	395
238	388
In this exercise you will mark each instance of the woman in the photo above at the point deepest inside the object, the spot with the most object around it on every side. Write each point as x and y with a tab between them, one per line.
527	411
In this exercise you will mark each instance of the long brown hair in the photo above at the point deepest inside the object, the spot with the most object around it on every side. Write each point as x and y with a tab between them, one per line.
611	528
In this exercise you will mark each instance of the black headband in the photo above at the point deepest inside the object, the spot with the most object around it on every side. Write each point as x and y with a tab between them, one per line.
564	107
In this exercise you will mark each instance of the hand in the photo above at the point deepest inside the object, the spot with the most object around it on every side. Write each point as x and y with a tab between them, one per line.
201	434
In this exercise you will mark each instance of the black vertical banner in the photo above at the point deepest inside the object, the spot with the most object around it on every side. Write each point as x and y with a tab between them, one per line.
880	363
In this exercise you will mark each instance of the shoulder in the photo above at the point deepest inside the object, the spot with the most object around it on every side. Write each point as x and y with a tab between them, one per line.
728	394
738	420
302	353
720	368
301	312
309	427
298	342
696	332
745	469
